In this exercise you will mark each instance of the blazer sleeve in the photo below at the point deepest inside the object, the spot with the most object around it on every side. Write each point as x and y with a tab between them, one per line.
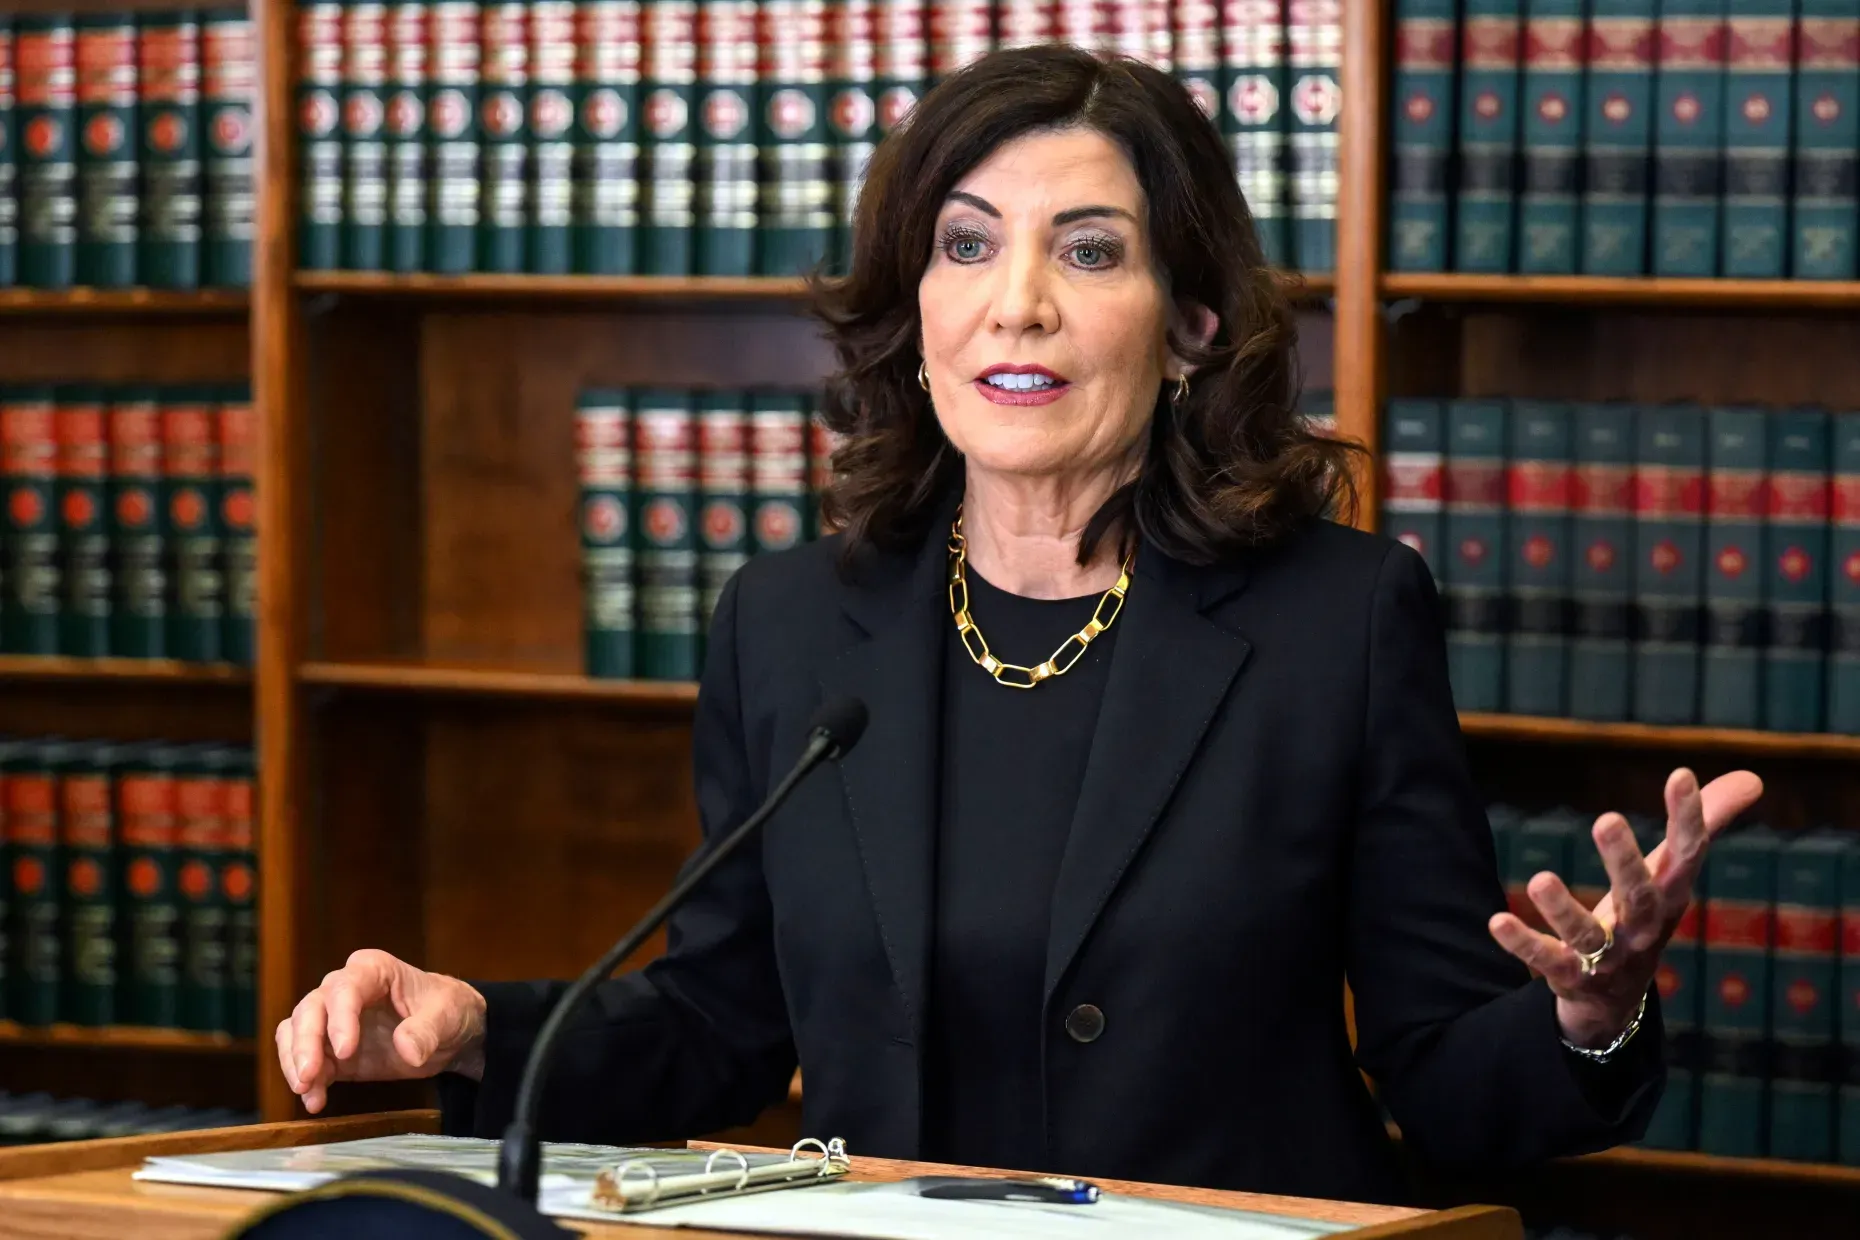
697	1040
1461	1040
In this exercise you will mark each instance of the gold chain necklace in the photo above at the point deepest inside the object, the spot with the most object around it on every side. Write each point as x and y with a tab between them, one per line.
1061	660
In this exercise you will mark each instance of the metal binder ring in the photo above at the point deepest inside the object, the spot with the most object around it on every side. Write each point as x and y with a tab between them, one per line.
652	1177
742	1179
794	1155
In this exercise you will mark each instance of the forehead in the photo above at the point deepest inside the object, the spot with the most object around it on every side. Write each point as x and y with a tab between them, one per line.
1052	170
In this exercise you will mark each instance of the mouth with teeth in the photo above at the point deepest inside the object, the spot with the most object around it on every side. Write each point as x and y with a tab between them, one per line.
1020	385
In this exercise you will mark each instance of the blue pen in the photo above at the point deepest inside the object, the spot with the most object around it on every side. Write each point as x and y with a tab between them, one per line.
1047	1190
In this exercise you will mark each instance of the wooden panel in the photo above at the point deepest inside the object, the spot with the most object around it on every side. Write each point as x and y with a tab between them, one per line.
32	667
1626	290
70	1157
127	711
158	1077
179	1041
165	351
128	6
1359	341
676	696
124	303
1527	728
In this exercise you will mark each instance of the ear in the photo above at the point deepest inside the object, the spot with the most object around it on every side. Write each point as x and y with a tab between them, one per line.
1195	323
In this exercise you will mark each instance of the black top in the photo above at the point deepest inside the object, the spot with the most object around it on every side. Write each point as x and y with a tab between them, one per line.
1012	762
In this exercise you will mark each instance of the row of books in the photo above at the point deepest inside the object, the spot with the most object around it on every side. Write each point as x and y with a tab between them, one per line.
1626	137
1669	564
129	885
32	1119
126	149
727	139
1759	985
130	526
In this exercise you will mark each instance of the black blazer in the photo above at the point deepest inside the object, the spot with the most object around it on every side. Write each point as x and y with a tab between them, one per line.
1278	799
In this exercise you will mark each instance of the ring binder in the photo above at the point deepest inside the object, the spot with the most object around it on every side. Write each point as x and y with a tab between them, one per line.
636	1185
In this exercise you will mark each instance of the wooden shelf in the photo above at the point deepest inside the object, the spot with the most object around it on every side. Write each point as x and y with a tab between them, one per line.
120	301
22	667
1648	736
122	1037
485	682
1628	291
1679	1162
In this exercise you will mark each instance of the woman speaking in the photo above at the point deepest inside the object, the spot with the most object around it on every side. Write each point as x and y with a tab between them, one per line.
1159	757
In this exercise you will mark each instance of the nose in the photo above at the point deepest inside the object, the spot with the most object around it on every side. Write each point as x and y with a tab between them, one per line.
1023	300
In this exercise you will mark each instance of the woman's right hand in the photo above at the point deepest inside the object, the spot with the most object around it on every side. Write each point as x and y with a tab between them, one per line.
380	1019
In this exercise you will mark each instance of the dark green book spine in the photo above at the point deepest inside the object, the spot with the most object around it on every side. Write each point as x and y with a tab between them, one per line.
7	751
1538	558
777	470
727	156
606	190
724	495
852	110
169	243
29	619
1602	527
604	462
36	940
1475	538
503	112
236	434
1413	479
1844	580
1759	59
238	881
1827	140
1804	1013
904	63
83	528
1795	664
1680	977
1848	1137
107	202
665	452
822	443
229	67
199	838
1254	81
9	192
1688	137
1736	623
1543	843
405	125
138	527
319	133
1488	137
1422	143
667	94
1669	541
47	115
452	121
795	208
552	138
1617	135
364	135
1314	43
151	920
1553	112
1197	53
88	827
191	470
1739	922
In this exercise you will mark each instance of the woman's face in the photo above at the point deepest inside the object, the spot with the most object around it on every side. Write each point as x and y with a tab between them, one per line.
1044	320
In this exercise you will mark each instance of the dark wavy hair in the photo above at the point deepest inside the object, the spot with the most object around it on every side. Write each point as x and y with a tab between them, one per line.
1232	466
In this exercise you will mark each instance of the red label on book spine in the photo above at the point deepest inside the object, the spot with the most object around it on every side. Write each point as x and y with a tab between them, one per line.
1803	929
1664	491
1731	923
1539	486
1798	497
1602	490
1686	932
1475	481
1621	44
1737	493
1761	44
1553	43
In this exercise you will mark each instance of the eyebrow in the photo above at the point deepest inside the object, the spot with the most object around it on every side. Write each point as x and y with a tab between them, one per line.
1060	220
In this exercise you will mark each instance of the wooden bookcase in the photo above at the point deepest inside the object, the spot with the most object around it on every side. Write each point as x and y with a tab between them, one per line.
438	779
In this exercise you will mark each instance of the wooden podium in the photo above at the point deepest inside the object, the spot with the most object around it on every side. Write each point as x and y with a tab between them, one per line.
82	1190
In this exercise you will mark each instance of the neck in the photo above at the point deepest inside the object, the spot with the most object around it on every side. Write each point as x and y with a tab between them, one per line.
1023	533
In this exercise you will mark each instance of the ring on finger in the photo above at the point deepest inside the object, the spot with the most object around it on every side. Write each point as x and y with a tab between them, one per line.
1589	960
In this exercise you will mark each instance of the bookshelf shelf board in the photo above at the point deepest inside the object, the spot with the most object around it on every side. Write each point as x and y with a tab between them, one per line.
1684	1162
23	667
140	302
1626	291
488	682
121	1037
1649	736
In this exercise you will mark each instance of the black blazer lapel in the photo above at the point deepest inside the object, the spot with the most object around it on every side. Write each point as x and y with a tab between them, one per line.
1169	674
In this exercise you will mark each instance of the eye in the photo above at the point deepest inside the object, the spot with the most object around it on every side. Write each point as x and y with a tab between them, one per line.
964	244
1094	253
1089	255
967	249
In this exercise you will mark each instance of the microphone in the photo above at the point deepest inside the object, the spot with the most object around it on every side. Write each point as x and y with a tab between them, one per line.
834	729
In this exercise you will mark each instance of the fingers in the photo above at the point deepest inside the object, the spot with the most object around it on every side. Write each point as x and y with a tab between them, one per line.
1728	796
1634	900
362	981
1564	913
309	1067
1548	956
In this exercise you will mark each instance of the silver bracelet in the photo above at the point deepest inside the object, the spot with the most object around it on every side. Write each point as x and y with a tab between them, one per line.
1607	1052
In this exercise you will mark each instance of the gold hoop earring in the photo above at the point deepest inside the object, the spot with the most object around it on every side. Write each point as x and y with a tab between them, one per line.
1181	391
923	376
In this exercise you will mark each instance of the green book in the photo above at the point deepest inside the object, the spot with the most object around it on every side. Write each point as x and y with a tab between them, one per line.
1736	623
1844	581
604	462
1254	82
1848	1124
606	190
1669	578
1538	558
83	557
547	245
1739	922
229	88
852	116
1553	110
190	469
1313	104
1757	124
236	435
46	117
169	243
107	199
29	551
1602	562
1413	464
404	127
1688	137
727	155
9	197
36	940
1617	135
724	495
137	524
795	209
1421	145
6	892
503	109
1488	136
364	135
1805	997
1476	539
1543	842
1827	140
87	825
777	470
1505	821
665	447
1680	978
668	92
453	136
239	890
1796	575
199	842
319	133
151	913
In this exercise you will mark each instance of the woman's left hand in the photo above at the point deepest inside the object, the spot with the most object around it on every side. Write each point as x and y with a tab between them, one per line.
1646	898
